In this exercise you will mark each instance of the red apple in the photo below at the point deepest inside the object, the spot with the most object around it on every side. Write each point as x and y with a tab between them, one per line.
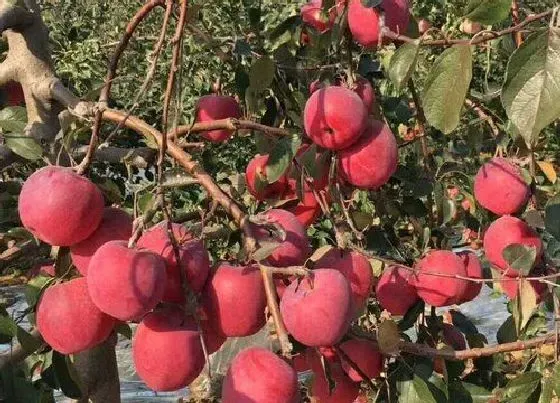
116	225
345	390
246	381
334	117
371	161
193	257
234	300
365	355
294	249
215	107
438	290
357	270
500	187
474	270
365	91
69	321
366	25
257	169
506	231
59	206
396	291
312	15
166	350
317	310
125	283
307	210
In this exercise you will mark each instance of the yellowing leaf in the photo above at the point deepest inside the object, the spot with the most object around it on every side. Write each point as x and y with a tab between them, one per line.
548	170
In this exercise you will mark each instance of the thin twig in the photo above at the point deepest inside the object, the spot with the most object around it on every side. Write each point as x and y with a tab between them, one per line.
482	38
274	310
229	124
111	72
483	115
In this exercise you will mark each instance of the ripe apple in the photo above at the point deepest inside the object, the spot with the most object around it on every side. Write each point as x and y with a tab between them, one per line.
372	160
257	169
294	249
396	291
334	117
312	15
125	283
365	91
69	321
474	270
116	225
166	350
357	270
259	375
307	210
366	25
59	206
317	310
193	257
215	107
506	231
234	300
437	290
500	187
345	390
365	355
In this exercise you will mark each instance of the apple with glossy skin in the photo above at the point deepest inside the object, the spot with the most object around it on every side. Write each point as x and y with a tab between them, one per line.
365	355
125	283
193	257
396	291
474	270
166	350
294	249
357	270
257	168
69	321
500	187
59	206
372	160
317	310
505	231
246	382
234	300
215	107
437	290
365	22
334	117
116	225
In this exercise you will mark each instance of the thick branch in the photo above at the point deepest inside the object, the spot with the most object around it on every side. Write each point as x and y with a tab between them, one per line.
14	17
229	124
140	157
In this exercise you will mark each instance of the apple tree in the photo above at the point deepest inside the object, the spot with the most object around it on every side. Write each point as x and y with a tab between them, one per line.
340	177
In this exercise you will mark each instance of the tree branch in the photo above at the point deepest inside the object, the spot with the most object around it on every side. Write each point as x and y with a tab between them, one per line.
478	39
229	124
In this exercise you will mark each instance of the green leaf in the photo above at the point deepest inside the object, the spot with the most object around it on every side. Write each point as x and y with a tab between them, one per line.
8	326
552	216
23	146
547	387
556	378
14	114
520	257
488	12
403	63
532	87
446	87
14	126
525	304
63	376
519	389
280	158
262	73
35	287
507	332
414	391
27	341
